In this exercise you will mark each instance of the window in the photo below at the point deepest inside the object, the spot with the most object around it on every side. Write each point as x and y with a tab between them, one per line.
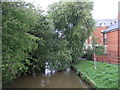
105	49
105	38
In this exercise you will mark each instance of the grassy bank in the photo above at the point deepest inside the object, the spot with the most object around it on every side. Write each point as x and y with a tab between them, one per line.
105	75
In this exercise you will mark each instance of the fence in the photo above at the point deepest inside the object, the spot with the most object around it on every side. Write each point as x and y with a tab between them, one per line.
111	57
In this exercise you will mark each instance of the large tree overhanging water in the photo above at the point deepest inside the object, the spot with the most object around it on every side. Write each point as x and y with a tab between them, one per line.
32	39
74	23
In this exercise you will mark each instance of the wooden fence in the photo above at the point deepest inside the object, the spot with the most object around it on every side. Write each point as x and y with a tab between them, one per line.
110	57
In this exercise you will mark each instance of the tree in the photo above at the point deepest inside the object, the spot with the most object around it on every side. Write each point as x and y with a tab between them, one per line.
51	49
95	48
32	39
75	21
18	19
43	30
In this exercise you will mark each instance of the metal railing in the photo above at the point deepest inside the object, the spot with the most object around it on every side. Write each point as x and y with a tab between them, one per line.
110	57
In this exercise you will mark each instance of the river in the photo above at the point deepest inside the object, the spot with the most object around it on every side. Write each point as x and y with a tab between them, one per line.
63	79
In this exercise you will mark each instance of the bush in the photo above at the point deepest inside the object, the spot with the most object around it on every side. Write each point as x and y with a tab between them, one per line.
98	50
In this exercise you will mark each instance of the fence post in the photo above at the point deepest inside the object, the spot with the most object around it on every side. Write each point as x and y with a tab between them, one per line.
94	60
102	59
109	59
93	57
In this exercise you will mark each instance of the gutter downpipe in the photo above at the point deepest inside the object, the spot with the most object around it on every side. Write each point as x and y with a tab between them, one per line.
119	33
119	46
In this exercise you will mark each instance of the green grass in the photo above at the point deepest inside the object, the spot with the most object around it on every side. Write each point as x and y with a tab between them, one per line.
105	75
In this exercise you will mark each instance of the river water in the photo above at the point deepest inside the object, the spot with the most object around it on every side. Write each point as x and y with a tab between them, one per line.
63	79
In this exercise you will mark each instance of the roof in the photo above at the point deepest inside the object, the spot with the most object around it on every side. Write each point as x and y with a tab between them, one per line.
113	27
104	22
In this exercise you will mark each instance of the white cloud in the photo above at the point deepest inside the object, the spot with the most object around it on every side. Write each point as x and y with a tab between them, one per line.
44	3
102	8
105	9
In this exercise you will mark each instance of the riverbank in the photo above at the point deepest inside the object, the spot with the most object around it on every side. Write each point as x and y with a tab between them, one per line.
105	75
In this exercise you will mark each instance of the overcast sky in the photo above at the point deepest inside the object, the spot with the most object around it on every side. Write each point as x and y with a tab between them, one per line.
103	9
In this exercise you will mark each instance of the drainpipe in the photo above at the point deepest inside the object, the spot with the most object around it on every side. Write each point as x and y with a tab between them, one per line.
118	42
119	46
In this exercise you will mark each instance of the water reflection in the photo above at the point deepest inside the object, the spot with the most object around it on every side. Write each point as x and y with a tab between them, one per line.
47	72
34	75
67	70
51	79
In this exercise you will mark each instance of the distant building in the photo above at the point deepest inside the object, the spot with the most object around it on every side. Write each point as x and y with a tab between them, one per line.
111	39
101	25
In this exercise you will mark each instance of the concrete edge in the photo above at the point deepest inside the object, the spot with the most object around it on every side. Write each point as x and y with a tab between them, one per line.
87	79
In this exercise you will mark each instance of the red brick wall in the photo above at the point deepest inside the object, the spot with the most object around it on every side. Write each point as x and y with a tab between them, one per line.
112	41
98	34
119	44
112	48
89	40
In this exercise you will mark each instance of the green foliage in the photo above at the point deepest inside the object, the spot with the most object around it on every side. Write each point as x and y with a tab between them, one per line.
51	49
32	39
43	30
59	58
75	21
96	48
105	75
17	43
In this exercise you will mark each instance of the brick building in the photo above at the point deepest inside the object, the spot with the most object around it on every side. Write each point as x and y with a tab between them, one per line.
107	33
101	24
111	39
